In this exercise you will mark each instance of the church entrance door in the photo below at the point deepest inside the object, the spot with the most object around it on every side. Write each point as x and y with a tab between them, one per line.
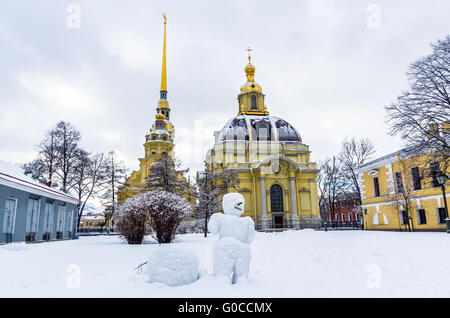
278	221
276	205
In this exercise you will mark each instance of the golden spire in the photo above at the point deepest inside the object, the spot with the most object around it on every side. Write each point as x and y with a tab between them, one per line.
164	71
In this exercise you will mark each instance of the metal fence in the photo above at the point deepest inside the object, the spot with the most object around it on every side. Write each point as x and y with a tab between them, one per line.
92	231
339	225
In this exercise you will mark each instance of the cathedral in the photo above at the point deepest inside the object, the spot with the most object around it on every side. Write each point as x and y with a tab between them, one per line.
277	178
159	142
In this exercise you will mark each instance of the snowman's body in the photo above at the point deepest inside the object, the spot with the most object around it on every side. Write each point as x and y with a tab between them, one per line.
232	249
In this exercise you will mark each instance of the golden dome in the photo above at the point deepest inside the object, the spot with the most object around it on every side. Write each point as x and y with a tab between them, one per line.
250	72
250	85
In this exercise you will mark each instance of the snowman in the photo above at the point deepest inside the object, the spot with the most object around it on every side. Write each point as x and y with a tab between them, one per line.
231	254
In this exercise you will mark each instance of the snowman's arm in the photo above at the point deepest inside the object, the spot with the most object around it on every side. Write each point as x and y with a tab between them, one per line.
214	223
250	229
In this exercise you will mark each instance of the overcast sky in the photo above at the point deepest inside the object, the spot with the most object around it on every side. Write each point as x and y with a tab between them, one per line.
327	67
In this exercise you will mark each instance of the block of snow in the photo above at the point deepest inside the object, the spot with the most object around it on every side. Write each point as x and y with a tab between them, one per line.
172	265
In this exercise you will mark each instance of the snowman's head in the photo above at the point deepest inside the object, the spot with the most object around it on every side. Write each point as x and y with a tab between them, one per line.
233	204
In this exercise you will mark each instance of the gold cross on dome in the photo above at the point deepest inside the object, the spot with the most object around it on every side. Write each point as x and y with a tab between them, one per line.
249	50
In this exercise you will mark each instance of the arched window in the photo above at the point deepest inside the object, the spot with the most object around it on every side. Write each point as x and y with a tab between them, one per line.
254	101
276	198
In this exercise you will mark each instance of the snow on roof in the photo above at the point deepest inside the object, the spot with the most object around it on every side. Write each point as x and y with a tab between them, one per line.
242	127
92	217
12	175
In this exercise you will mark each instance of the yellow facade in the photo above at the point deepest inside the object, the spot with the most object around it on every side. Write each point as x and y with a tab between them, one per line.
399	187
92	220
276	176
158	142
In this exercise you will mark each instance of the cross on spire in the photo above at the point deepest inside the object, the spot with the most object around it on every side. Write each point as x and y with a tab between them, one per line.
249	50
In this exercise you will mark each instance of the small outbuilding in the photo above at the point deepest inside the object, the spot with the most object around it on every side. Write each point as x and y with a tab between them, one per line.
31	211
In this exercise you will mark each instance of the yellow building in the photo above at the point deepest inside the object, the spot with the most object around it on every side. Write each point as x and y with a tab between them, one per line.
277	179
159	141
92	220
401	192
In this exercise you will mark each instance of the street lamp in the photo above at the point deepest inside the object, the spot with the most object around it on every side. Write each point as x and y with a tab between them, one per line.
441	179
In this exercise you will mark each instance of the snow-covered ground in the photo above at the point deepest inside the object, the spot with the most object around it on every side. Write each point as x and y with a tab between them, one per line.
288	264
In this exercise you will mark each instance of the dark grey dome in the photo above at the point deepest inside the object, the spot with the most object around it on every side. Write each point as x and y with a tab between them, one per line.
252	127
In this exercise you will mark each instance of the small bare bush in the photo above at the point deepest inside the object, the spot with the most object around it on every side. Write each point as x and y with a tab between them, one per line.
132	220
167	210
158	210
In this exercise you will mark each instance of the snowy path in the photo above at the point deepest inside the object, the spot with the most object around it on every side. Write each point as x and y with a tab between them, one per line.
288	264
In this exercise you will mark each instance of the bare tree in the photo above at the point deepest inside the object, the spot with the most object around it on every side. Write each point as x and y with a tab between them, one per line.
421	115
355	152
89	176
332	184
67	146
402	193
43	168
164	175
56	157
115	175
62	161
211	186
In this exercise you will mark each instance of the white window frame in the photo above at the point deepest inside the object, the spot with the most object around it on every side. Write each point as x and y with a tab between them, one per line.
343	217
32	223
13	226
49	216
60	223
69	221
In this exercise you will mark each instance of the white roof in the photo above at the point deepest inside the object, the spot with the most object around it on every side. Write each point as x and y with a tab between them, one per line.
12	175
92	217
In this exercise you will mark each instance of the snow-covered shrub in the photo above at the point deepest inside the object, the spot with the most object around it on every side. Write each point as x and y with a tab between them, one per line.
161	210
166	211
132	219
172	265
191	226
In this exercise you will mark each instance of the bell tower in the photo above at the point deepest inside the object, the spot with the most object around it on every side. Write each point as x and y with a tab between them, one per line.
251	98
160	139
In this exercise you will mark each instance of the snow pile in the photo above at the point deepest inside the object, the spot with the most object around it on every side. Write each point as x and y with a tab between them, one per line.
15	246
302	263
232	251
172	266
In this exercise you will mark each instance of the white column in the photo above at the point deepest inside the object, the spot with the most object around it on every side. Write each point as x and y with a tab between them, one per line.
262	188
293	199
